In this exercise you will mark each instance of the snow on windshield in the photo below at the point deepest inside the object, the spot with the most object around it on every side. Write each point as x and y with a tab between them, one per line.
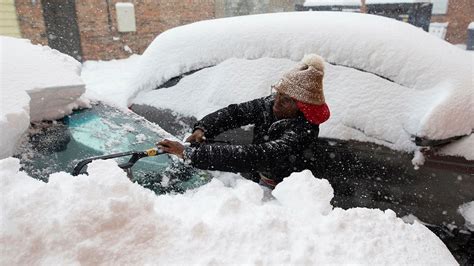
38	83
103	218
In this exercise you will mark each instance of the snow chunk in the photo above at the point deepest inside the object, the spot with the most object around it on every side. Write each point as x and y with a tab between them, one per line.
303	189
467	211
14	120
38	83
104	218
418	159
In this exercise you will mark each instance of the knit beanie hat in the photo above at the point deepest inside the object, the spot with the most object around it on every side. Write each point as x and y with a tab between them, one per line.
305	85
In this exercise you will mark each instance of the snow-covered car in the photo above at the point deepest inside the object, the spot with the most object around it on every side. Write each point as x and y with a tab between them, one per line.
400	134
40	127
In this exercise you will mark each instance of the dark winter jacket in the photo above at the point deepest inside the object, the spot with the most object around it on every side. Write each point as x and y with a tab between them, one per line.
279	147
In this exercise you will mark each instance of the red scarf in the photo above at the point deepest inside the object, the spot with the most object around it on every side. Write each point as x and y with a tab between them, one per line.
316	114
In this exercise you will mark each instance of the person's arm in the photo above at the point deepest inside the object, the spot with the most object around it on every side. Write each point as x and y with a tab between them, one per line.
245	158
232	116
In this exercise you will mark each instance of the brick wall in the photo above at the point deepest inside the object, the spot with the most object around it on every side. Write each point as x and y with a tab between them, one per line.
460	14
100	38
30	18
229	8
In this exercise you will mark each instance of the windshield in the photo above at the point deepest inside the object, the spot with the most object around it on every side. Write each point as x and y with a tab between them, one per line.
58	146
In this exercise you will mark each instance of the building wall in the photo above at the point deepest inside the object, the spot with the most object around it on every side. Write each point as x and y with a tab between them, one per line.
100	38
229	8
8	19
30	18
460	13
97	23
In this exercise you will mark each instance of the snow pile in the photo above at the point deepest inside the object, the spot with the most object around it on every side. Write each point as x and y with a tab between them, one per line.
432	94
103	218
108	81
37	83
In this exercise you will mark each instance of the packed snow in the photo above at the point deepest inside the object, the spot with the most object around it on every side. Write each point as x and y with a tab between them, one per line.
37	83
104	218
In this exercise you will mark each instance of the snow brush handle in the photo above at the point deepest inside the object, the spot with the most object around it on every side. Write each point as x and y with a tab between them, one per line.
136	155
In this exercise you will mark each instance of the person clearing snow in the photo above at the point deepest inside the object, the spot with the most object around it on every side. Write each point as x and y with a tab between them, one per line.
286	129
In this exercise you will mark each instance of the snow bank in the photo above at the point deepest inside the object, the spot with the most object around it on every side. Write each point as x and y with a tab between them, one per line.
37	83
438	72
103	218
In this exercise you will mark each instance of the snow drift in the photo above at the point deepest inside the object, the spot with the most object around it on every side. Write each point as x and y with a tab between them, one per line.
37	83
103	218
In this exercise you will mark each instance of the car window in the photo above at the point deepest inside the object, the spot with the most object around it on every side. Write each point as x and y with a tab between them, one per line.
58	146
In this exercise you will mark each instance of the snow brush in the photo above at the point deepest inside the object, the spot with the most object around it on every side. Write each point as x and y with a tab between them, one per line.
135	156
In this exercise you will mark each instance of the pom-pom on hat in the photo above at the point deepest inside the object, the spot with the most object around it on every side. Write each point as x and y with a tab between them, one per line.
305	85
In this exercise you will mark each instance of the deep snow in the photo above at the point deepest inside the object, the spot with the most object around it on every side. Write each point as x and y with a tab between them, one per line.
412	58
37	83
103	218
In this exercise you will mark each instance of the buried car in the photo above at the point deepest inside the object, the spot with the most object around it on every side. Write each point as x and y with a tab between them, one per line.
400	135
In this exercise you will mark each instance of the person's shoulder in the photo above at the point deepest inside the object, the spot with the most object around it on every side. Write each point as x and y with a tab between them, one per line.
270	97
301	124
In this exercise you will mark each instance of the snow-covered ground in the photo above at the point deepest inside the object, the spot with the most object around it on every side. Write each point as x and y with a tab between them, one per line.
37	83
103	218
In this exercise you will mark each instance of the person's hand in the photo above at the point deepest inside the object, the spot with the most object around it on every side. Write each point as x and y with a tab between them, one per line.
172	147
197	136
